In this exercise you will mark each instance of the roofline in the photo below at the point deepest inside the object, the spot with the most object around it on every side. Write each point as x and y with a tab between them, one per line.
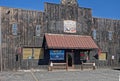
67	35
22	9
72	48
106	18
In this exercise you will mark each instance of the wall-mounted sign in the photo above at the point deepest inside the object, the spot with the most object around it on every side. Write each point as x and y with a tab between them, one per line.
57	54
69	26
19	50
113	57
102	56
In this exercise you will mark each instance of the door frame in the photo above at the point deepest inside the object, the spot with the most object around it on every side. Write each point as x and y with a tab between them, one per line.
72	55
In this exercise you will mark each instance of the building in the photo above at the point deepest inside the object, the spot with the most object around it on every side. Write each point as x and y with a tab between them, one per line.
29	39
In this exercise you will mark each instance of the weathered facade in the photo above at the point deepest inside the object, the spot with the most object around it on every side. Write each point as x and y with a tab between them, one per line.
18	31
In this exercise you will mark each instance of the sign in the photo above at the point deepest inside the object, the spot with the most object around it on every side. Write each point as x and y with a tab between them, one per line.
69	26
38	53
113	57
57	54
102	56
19	50
27	52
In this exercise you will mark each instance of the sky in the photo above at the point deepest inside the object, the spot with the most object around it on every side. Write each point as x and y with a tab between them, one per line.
100	8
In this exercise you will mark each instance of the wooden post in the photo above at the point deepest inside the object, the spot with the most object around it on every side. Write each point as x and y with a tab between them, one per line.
50	66
93	66
66	61
82	66
0	43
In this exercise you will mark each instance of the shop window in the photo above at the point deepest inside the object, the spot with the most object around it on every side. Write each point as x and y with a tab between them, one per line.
103	56
14	29
38	30
33	53
94	34
38	53
110	35
27	53
84	56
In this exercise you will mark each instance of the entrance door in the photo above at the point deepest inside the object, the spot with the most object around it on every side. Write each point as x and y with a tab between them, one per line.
70	60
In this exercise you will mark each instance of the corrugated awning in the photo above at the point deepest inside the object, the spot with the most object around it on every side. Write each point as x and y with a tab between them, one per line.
62	41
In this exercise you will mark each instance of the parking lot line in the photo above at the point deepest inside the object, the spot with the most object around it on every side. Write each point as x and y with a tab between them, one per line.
33	75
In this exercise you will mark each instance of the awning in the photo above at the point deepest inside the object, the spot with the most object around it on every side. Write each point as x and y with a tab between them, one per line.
63	41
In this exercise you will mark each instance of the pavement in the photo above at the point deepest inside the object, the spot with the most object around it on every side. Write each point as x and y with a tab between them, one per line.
72	75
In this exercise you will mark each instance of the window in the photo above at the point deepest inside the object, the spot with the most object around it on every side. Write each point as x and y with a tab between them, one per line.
103	56
38	53
27	53
110	35
38	30
33	53
94	34
84	55
14	29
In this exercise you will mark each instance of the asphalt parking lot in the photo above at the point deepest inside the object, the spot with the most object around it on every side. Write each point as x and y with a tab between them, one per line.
91	75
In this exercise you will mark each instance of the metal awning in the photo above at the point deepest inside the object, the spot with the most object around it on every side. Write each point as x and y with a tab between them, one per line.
63	41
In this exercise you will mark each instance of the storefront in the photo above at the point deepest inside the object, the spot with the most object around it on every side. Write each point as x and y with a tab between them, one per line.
69	49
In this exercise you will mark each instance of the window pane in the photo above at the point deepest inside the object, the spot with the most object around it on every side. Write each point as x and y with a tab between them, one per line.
14	29
38	30
94	34
110	35
38	53
102	56
27	53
